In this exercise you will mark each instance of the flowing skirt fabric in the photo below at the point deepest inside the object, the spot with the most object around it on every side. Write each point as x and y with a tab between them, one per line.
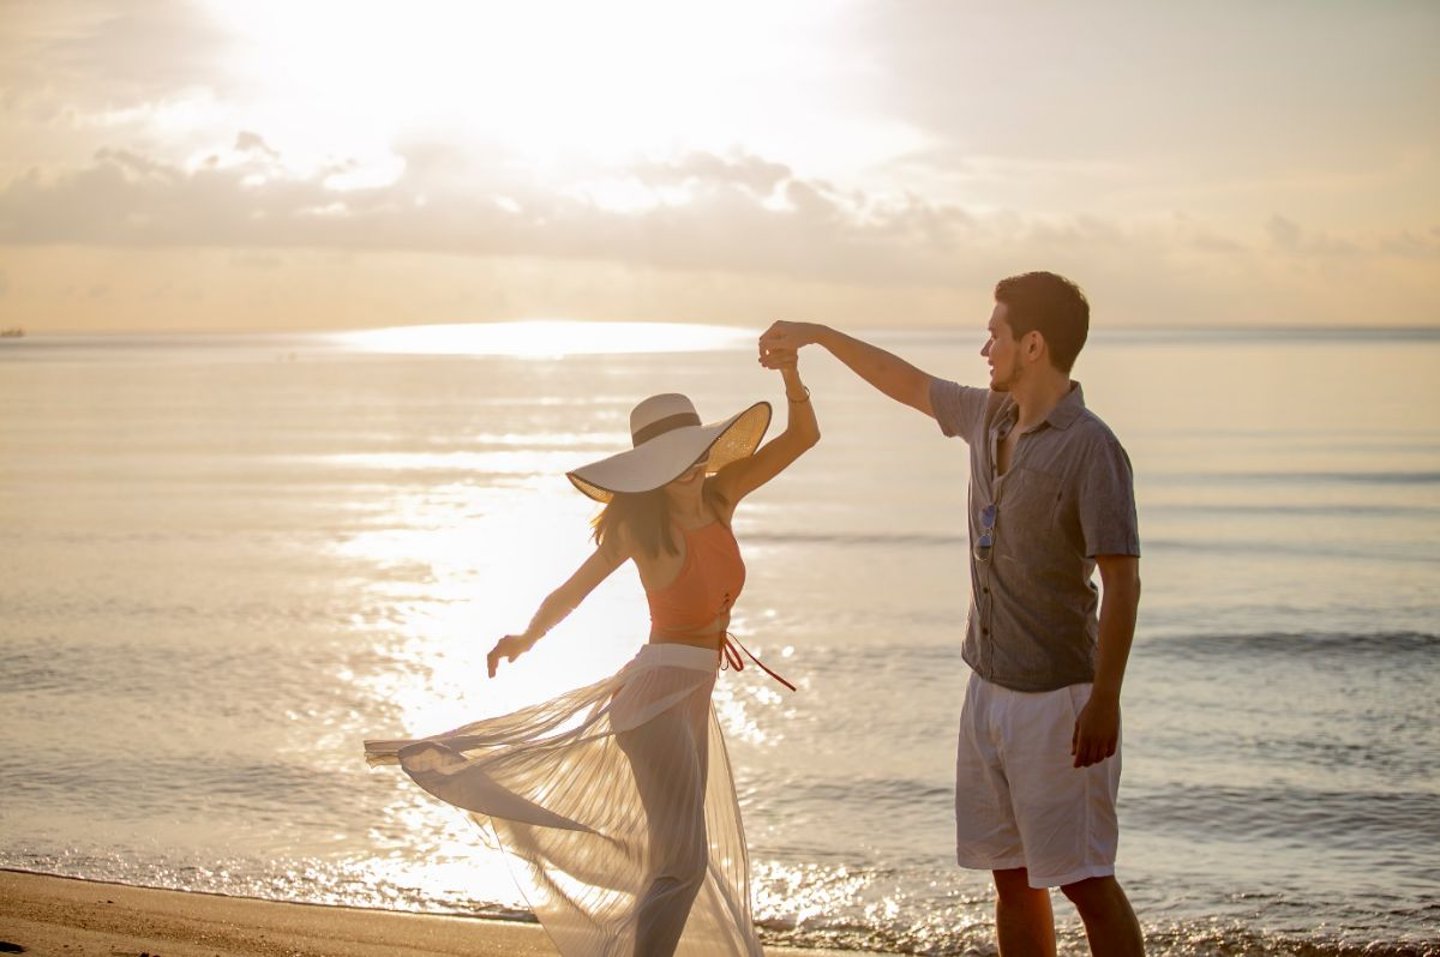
614	803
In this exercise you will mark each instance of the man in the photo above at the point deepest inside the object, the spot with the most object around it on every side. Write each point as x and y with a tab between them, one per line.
1051	498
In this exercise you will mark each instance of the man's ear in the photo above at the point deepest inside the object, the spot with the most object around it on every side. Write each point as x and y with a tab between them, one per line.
1034	344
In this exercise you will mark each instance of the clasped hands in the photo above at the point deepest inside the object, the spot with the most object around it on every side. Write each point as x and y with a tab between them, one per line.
779	345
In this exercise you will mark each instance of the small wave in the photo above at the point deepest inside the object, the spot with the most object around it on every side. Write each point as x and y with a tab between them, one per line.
1311	478
1187	940
194	784
936	923
1390	644
1291	815
878	791
1272	509
1375	551
921	539
951	935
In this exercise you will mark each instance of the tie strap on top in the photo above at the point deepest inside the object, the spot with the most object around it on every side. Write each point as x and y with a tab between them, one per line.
730	649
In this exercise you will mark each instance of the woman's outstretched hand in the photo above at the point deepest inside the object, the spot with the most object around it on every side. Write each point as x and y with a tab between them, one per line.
510	647
781	359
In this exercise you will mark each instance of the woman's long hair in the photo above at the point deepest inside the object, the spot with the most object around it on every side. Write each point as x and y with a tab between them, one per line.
645	517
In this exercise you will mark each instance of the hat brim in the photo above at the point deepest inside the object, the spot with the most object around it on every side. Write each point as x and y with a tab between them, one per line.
667	457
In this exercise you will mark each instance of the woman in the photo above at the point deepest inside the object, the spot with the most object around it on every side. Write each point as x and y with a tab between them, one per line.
615	801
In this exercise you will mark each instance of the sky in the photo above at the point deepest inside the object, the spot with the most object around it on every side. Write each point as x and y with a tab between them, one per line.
309	164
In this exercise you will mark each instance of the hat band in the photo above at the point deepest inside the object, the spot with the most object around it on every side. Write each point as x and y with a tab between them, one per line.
660	426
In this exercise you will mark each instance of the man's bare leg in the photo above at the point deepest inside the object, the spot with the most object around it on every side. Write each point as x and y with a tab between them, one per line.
1024	922
1110	923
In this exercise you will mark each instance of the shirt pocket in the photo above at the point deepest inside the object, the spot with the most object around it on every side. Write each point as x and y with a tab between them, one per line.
1030	500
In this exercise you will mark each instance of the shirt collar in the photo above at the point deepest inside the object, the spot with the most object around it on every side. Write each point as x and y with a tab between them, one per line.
1068	409
1062	416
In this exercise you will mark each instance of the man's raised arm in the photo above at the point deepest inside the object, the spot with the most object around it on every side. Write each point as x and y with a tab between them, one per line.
887	372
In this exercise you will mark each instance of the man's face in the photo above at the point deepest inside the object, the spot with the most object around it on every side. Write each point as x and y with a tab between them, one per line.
1002	352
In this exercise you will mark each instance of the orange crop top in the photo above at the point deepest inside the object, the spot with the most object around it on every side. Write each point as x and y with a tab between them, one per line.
707	586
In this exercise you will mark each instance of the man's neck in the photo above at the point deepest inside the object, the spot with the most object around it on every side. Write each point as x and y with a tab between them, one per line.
1037	395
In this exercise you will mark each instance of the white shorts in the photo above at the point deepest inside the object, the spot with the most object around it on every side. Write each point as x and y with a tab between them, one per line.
1019	800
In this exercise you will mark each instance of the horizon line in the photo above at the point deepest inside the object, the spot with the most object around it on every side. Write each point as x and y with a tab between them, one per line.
922	327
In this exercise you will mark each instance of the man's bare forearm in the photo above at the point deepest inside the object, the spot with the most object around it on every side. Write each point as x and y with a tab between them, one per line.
1119	608
884	370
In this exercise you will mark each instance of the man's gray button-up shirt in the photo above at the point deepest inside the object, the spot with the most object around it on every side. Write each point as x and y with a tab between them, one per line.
1067	497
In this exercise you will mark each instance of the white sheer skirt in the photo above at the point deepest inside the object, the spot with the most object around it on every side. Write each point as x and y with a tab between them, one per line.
614	803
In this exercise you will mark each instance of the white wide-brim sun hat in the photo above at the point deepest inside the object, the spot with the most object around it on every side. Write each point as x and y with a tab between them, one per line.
668	440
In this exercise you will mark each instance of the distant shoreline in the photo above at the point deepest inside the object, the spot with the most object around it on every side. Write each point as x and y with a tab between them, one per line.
1099	331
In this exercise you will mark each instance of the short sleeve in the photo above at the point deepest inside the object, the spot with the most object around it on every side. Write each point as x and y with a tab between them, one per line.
959	409
1107	501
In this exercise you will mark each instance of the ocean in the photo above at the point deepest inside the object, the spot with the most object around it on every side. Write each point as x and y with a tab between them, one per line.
225	560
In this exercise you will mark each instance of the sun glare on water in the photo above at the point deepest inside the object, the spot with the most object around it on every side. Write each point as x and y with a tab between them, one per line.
545	338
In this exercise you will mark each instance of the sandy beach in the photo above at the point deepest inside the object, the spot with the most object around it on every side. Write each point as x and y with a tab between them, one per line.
56	915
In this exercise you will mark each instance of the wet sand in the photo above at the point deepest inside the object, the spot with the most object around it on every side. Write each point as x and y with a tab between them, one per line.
54	916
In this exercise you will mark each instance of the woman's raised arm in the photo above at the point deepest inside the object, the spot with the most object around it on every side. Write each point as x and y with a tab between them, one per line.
608	556
802	431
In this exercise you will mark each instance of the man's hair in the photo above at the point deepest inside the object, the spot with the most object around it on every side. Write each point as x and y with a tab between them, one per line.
1051	305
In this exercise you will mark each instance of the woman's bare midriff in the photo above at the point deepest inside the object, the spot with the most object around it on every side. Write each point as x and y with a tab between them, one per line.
709	640
708	636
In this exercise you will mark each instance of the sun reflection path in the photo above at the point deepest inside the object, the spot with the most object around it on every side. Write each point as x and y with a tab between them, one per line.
432	856
486	579
544	338
446	567
450	574
836	906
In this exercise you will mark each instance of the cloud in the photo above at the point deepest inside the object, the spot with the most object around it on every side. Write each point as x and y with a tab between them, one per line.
1078	81
738	215
699	211
63	58
1294	240
1407	245
1284	233
247	142
748	172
